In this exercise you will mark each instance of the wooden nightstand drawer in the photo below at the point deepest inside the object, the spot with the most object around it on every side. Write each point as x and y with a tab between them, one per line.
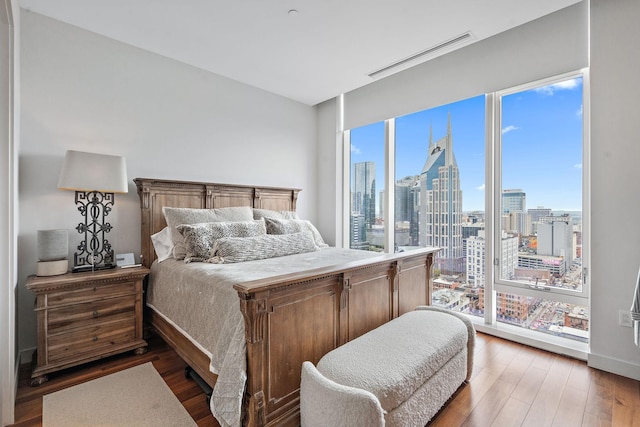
89	314
78	343
90	293
86	316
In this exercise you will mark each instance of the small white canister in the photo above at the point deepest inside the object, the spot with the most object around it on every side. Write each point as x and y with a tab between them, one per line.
53	250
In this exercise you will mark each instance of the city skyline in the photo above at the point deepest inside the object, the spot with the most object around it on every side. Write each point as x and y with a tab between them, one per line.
541	136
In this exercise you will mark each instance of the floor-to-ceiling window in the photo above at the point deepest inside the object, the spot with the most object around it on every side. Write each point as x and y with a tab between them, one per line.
496	182
539	216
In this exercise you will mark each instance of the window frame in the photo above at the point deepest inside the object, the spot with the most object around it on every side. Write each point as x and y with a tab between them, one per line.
494	183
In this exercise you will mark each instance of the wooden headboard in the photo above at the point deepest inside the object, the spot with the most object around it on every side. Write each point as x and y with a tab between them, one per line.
156	193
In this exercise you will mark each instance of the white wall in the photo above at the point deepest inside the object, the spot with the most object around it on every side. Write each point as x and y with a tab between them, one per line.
9	138
86	92
330	173
615	196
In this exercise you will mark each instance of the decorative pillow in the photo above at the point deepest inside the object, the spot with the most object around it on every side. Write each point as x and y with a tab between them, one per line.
199	239
177	216
162	244
239	249
288	226
266	213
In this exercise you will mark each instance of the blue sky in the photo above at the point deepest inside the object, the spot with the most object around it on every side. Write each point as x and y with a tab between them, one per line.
541	136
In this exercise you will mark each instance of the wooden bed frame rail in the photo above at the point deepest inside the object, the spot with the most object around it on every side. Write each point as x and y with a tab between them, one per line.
289	318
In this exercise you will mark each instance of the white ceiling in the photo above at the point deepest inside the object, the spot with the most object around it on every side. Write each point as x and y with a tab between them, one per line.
327	48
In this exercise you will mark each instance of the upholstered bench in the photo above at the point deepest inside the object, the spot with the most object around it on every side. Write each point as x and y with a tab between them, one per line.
399	374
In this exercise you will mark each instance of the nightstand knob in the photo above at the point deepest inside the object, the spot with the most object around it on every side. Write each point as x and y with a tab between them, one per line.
95	313
95	339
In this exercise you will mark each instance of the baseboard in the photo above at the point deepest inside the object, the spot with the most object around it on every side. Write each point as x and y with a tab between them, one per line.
26	356
615	366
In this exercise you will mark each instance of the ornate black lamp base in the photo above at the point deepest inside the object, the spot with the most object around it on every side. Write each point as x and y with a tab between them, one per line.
94	251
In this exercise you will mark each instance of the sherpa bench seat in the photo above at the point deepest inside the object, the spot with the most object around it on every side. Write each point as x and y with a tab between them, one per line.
400	373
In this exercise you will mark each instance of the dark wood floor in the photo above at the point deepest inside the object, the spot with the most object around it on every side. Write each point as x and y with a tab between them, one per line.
512	385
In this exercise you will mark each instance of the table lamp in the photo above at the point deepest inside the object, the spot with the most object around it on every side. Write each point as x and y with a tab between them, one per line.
94	178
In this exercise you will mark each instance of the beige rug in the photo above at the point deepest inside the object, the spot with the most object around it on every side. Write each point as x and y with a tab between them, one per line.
137	396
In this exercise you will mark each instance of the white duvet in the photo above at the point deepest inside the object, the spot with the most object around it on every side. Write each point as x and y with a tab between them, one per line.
199	300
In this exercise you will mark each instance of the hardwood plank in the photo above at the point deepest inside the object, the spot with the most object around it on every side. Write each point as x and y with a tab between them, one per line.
545	405
599	406
624	415
470	396
626	403
488	408
529	385
627	391
591	420
570	408
515	363
447	417
512	414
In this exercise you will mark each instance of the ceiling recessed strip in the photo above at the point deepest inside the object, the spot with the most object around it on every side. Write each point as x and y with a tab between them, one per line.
422	54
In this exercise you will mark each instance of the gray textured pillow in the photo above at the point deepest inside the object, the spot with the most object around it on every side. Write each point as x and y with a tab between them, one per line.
199	239
177	216
288	226
239	249
267	213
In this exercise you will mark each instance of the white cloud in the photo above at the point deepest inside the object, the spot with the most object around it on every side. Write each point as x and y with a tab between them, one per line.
355	150
565	85
579	112
578	166
509	129
480	188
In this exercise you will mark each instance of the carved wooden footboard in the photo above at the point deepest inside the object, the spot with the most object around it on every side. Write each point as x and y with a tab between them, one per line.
290	318
302	317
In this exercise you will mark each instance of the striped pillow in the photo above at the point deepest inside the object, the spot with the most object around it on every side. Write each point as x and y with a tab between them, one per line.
240	249
199	239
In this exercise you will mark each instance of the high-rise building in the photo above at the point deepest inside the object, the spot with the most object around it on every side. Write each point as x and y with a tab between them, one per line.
516	222
476	262
364	192
537	213
555	238
358	237
441	205
405	198
514	200
534	217
407	205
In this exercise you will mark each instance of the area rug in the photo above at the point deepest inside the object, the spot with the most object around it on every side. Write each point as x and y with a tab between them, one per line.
137	396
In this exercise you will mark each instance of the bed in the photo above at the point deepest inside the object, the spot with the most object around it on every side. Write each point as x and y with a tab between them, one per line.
296	312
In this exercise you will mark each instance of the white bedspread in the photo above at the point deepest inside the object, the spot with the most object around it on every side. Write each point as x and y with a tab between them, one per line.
199	300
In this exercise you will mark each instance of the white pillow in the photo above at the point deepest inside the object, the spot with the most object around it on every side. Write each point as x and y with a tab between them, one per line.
268	213
287	226
163	244
178	216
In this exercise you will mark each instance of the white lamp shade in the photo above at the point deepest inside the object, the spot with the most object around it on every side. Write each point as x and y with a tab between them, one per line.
93	172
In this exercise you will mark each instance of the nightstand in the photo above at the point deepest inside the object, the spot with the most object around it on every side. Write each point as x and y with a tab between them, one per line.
83	317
